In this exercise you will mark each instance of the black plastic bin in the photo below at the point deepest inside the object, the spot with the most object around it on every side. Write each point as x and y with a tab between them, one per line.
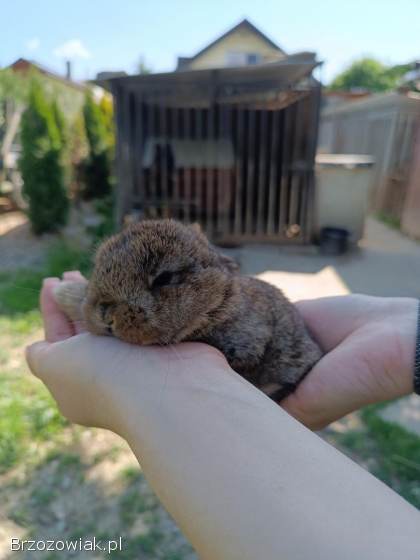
333	241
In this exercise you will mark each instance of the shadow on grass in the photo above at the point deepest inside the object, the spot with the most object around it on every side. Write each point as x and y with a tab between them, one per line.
59	498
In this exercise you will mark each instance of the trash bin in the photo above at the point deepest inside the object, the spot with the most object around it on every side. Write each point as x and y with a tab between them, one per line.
343	183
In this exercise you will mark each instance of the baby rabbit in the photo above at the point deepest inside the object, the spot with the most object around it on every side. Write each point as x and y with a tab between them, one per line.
161	282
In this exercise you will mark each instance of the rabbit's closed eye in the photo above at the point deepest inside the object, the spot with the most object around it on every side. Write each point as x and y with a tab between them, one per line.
165	278
172	277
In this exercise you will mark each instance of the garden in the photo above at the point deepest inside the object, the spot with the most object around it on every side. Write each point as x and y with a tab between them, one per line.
63	481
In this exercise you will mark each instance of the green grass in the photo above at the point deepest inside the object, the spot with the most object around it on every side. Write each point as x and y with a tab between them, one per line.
28	415
393	453
388	220
132	503
27	411
39	450
19	291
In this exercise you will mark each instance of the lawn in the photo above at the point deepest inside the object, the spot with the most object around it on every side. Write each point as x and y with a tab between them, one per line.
65	482
57	480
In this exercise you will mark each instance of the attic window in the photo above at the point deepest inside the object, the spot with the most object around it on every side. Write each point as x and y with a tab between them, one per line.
253	58
235	58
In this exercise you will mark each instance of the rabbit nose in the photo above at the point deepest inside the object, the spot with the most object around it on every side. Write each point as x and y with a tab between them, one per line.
103	308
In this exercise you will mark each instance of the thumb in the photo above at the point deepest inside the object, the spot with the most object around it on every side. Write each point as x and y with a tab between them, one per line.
35	355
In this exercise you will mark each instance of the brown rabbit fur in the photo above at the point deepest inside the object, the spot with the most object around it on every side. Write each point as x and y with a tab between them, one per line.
160	282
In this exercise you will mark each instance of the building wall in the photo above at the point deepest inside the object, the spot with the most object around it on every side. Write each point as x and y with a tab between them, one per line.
69	99
240	41
410	220
382	126
69	95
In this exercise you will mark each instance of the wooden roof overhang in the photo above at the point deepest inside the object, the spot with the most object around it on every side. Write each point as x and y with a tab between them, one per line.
271	86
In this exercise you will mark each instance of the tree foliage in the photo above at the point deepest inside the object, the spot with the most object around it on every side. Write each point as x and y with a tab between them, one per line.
369	74
13	86
98	163
41	163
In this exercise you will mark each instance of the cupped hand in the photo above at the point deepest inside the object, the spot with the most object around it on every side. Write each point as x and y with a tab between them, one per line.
369	344
369	353
91	377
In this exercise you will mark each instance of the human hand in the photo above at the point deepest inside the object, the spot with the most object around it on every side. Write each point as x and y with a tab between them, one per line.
92	377
369	344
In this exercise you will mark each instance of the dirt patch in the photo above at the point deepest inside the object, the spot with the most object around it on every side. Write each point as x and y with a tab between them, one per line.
19	247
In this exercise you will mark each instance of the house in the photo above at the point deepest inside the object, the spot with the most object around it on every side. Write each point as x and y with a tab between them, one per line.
242	45
69	94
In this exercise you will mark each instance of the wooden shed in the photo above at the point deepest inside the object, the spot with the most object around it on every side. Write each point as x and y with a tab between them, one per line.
230	148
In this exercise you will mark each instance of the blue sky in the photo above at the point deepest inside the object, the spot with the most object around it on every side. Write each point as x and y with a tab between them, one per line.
106	35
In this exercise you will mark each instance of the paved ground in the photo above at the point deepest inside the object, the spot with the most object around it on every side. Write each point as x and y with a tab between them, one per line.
386	264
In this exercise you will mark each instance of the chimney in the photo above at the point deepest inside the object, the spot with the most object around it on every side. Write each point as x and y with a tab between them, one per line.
68	69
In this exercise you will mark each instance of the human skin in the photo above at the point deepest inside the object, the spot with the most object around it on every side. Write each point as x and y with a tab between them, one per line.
242	478
370	346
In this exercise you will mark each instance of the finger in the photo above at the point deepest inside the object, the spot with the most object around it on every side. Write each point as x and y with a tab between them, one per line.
341	382
74	275
332	319
56	324
34	355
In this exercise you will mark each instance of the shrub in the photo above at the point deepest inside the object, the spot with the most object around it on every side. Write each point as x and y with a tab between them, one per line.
98	163
41	164
78	152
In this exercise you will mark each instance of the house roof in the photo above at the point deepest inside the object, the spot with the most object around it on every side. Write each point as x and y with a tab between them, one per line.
25	64
183	61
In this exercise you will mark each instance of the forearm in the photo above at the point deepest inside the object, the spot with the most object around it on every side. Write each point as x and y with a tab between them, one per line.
244	480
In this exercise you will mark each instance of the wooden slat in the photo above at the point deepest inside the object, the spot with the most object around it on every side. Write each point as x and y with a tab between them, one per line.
163	134
284	179
238	177
199	173
272	183
221	186
314	102
226	180
250	173
121	189
260	184
138	153
187	171
294	182
176	175
127	154
305	178
153	211
209	178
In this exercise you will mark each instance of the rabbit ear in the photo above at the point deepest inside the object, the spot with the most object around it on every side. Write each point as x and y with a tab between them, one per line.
196	227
